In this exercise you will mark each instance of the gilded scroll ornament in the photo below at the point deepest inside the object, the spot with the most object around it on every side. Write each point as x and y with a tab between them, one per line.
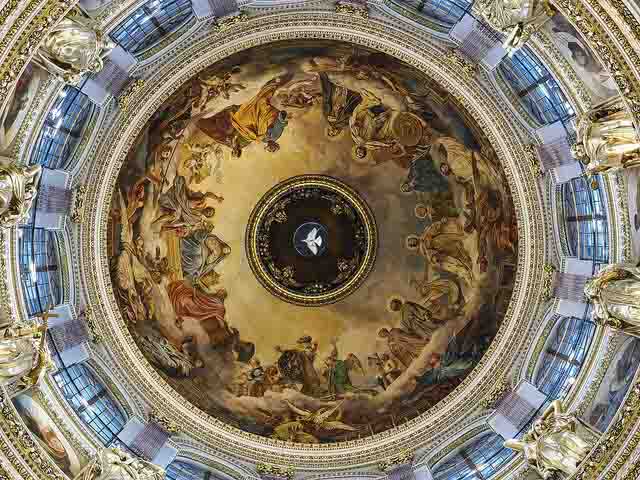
163	422
547	281
557	442
354	9
132	90
264	470
501	389
461	63
402	458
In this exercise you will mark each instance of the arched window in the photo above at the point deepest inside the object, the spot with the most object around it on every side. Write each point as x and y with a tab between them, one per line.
535	87
585	220
563	355
62	129
149	23
91	401
186	471
480	459
39	269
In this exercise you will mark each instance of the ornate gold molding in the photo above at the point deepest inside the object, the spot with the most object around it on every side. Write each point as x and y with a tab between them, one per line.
549	274
159	418
352	9
401	459
130	93
264	469
500	390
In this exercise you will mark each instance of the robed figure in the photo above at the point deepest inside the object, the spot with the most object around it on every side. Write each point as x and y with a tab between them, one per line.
615	294
257	120
338	103
296	364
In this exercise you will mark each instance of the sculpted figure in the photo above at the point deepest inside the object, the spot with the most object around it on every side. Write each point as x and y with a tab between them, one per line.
615	294
74	48
607	139
519	19
557	442
18	188
18	349
114	464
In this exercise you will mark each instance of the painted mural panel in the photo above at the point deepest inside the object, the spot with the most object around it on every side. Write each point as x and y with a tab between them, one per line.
385	354
615	384
47	433
13	116
576	51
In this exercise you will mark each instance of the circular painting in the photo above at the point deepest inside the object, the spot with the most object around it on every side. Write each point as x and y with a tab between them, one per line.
391	349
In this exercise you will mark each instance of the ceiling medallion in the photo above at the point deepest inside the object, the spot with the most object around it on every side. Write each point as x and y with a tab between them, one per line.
311	240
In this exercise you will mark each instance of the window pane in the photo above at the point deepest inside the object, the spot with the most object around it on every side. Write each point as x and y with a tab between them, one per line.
62	128
149	23
91	401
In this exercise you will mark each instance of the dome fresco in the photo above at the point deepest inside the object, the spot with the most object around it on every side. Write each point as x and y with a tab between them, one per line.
416	326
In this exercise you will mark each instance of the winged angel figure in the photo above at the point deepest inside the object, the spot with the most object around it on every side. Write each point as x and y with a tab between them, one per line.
308	426
125	269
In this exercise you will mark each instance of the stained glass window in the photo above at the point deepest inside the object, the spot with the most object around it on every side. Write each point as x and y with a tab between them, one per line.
62	129
150	23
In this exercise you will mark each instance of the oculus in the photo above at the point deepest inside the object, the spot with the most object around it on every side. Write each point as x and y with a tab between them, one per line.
311	240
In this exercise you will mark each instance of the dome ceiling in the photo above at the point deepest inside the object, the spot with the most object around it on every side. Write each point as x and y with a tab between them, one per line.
386	353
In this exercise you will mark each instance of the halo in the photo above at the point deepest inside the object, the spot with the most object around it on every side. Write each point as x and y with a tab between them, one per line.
406	242
420	206
366	160
391	298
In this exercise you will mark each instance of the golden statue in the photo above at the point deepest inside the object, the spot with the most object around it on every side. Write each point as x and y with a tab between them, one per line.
607	139
72	48
114	464
557	442
18	347
519	19
615	294
18	189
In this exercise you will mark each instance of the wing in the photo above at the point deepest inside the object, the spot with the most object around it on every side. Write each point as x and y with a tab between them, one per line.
322	417
335	425
297	410
313	248
312	235
318	241
353	363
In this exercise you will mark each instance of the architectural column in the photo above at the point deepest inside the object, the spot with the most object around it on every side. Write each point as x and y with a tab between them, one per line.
53	202
68	336
515	408
555	153
478	42
111	80
149	440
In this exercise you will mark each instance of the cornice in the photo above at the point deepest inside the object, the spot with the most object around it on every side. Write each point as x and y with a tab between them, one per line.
491	118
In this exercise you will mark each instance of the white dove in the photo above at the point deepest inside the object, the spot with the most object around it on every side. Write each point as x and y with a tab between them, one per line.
313	241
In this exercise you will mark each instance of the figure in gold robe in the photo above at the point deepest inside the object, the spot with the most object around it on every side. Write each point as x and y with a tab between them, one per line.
557	442
405	346
615	294
237	126
607	139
